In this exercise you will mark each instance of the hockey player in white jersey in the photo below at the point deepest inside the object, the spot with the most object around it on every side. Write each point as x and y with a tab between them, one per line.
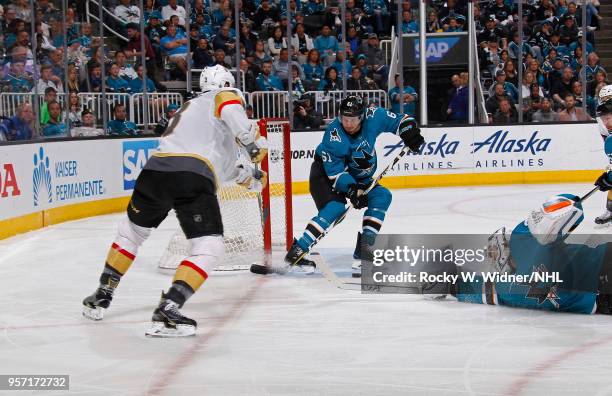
196	154
604	121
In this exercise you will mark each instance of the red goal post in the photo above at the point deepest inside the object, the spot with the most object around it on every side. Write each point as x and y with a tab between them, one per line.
277	204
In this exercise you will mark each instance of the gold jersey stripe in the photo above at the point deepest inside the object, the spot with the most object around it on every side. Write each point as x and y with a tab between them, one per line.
223	97
190	276
118	261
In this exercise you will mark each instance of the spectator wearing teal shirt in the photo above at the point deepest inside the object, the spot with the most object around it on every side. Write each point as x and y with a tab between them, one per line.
266	81
114	83
410	98
312	7
408	25
338	65
326	44
313	70
136	85
120	126
174	44
55	127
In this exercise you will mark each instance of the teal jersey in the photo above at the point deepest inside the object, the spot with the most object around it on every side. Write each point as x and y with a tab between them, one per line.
573	271
348	159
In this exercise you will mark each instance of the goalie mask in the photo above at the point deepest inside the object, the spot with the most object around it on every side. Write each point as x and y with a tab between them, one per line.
604	115
605	94
215	77
555	219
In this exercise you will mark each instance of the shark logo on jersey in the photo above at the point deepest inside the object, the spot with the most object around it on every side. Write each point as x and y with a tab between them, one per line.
363	160
370	112
334	136
542	291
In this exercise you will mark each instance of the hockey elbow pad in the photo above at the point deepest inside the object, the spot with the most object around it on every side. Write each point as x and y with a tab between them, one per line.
411	134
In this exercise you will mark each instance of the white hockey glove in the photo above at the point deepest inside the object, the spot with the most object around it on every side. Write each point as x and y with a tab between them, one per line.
250	178
255	145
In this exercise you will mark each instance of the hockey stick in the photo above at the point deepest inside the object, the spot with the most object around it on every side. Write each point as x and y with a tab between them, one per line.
365	192
587	195
266	269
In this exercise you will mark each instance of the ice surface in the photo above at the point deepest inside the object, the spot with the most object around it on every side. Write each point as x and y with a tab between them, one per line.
295	334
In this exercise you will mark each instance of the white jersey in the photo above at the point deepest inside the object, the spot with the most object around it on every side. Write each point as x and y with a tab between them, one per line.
206	128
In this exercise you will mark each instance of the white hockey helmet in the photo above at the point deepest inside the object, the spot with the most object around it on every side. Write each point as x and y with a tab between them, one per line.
215	77
605	94
555	218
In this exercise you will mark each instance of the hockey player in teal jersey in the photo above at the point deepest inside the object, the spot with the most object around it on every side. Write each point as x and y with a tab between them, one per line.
344	167
577	274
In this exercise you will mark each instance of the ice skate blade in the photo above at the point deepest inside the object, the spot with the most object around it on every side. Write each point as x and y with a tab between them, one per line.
306	269
434	297
601	226
93	313
159	330
356	265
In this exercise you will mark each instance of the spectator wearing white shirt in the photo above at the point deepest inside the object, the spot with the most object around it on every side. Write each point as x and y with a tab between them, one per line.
174	9
126	71
127	13
48	80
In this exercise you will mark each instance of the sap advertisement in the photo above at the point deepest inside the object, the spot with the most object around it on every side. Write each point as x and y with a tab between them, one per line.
478	150
442	49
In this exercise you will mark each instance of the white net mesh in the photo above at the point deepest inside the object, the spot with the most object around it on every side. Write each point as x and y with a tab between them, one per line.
243	213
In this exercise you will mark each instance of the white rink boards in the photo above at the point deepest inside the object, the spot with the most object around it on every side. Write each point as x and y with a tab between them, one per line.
295	334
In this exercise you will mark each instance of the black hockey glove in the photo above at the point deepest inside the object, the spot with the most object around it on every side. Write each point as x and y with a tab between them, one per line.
411	134
603	182
356	196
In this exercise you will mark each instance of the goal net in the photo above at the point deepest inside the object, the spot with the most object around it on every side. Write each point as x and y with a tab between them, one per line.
254	224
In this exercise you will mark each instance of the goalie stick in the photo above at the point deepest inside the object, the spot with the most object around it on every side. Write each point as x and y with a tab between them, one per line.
263	269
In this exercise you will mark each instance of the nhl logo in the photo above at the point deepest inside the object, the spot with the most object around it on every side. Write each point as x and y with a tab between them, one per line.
197	218
275	155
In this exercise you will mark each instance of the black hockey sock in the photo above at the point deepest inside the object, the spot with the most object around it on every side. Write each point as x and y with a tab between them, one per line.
110	277
179	292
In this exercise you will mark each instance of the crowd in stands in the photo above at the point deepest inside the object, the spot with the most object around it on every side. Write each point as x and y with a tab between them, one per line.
551	54
552	60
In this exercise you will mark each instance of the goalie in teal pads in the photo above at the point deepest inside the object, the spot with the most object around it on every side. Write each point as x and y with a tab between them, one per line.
569	277
343	169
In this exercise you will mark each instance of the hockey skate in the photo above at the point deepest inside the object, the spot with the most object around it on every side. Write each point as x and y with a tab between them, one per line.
168	321
295	258
94	305
604	219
